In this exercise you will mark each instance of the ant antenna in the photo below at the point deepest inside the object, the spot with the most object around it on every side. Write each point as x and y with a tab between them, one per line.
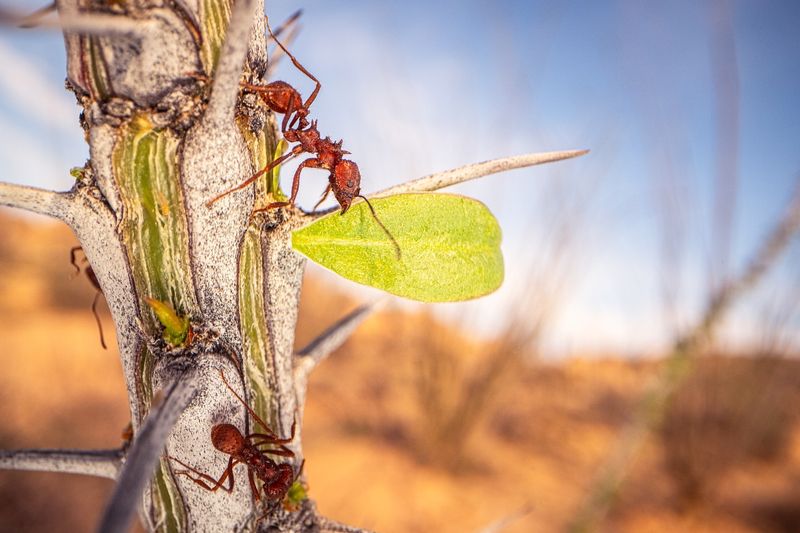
386	231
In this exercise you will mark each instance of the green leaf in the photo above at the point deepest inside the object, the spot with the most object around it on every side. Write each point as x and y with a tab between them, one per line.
77	172
176	328
295	495
449	244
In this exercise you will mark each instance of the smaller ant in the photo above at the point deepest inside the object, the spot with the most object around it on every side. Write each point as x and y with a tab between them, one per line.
276	478
90	275
344	178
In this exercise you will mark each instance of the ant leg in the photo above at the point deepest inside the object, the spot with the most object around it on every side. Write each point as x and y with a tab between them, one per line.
257	418
272	89
324	195
250	410
308	163
280	449
273	438
295	151
300	67
73	258
97	319
253	489
283	451
291	28
216	483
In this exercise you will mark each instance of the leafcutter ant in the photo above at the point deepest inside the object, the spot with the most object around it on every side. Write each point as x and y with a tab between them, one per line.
344	178
246	449
73	259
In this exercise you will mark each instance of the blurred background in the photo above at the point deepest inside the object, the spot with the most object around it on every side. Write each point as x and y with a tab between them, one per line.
520	410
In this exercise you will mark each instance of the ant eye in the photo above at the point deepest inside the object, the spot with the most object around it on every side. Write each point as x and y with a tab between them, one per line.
350	183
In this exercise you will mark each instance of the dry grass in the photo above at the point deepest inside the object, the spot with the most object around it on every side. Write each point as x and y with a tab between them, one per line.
730	413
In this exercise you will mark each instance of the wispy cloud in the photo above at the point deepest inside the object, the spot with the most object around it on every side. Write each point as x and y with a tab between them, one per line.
32	92
25	159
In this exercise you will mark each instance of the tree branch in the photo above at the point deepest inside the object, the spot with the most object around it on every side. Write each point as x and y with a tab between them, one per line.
478	170
502	523
326	524
458	175
99	24
100	463
326	343
146	450
29	20
44	202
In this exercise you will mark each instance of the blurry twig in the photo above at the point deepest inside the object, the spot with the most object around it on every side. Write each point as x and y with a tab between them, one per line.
292	28
725	75
505	521
326	343
677	367
329	340
478	170
454	176
144	453
27	21
326	524
100	463
222	102
94	24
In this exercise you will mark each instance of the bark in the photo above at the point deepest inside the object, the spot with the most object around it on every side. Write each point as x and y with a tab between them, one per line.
168	129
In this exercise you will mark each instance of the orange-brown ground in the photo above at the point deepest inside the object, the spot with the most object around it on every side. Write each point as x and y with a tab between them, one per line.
401	434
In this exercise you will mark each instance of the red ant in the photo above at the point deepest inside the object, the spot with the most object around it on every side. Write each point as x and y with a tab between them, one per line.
276	478
344	178
73	259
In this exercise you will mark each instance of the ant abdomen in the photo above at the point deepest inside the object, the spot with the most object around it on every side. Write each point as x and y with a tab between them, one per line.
227	438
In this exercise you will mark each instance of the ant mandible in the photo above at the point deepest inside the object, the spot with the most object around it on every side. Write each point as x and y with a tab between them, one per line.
276	478
344	179
73	259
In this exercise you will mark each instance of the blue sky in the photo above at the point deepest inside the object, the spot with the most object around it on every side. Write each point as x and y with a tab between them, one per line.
416	87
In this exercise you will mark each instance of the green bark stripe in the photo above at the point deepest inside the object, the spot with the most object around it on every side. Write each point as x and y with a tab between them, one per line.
98	77
167	502
258	373
261	145
146	169
215	16
147	173
254	327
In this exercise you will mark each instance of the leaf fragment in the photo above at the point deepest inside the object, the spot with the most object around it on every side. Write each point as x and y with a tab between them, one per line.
176	328
450	246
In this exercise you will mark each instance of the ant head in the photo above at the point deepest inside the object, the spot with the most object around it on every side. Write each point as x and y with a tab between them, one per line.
276	487
346	183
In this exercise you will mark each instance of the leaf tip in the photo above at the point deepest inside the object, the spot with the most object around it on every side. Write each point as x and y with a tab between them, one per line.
176	327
